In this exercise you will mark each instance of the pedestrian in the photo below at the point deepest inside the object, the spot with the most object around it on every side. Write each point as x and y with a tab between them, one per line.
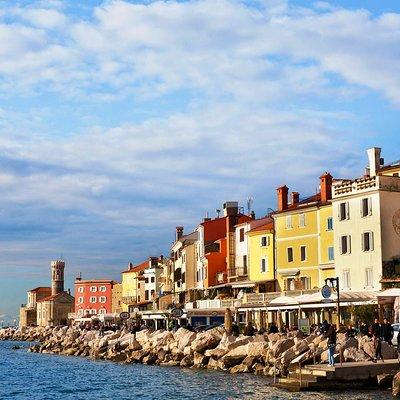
364	329
378	346
273	328
249	329
324	327
235	329
375	329
350	332
330	334
387	331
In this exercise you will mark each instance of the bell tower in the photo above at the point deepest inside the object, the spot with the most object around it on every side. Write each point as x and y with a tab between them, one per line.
57	276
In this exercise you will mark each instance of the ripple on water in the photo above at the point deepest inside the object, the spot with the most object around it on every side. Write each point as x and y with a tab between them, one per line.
31	376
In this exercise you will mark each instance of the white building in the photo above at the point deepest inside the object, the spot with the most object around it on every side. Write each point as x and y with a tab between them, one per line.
366	221
241	252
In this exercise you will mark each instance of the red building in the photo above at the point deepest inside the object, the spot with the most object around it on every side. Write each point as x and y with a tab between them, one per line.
217	245
93	296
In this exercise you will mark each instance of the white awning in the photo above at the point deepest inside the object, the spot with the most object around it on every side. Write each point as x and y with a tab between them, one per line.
393	292
284	300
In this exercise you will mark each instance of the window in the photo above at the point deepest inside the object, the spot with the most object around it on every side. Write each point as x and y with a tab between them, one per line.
146	280
367	241
331	254
305	282
152	293
102	288
289	224
146	294
345	243
93	311
290	284
102	311
241	234
264	241
303	253
329	223
368	278
346	279
152	279
138	285
93	299
264	264
93	288
81	289
80	300
102	299
290	254
366	207
302	220
344	211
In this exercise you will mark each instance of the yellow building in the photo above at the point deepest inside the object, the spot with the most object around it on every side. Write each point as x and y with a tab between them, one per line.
131	285
261	254
304	238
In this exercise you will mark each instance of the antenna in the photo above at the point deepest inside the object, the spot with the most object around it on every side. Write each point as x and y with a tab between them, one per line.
218	211
249	204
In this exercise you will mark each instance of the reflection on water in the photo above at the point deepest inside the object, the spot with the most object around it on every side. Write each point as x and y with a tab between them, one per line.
46	377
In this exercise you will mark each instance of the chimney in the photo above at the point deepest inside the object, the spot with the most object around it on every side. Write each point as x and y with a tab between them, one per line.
179	232
326	187
374	158
130	266
230	208
295	196
282	197
253	215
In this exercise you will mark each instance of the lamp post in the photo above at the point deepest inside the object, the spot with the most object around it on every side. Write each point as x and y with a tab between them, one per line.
334	283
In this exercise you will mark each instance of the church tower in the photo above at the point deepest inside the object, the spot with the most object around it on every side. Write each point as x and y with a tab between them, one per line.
57	276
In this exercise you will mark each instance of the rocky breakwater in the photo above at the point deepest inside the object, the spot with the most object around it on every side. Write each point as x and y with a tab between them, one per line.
268	355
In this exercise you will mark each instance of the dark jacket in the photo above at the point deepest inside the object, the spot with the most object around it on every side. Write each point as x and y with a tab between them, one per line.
376	329
387	331
330	334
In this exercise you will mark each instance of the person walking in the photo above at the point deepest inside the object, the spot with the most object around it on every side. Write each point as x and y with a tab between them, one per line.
376	330
330	334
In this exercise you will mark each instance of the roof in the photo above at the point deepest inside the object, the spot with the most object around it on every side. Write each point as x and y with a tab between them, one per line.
40	289
86	281
262	224
138	268
53	297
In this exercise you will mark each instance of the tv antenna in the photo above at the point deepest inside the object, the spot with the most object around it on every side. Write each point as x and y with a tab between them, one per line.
249	204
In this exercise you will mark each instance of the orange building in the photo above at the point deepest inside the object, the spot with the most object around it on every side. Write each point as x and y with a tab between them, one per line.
215	247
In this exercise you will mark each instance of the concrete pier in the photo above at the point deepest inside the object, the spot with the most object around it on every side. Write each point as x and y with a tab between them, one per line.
347	376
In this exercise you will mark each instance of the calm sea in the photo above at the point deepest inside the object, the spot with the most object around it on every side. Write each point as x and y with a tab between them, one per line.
34	376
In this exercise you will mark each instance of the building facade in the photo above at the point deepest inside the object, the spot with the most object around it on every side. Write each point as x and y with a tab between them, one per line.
304	238
28	311
54	309
93	296
366	214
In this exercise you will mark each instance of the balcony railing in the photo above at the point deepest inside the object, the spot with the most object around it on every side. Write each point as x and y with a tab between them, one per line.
207	304
238	271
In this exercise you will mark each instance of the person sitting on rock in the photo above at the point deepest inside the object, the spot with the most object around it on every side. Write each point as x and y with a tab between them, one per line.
249	329
273	328
235	329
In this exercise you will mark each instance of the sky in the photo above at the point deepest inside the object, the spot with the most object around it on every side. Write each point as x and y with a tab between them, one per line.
120	120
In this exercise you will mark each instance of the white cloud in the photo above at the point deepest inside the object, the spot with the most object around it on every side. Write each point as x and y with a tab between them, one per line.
221	48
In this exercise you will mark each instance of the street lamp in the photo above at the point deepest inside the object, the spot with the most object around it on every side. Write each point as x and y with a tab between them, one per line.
334	283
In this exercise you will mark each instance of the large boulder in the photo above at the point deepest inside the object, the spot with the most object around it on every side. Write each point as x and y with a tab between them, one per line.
216	353
239	369
388	352
184	337
279	347
186	362
207	340
235	356
396	385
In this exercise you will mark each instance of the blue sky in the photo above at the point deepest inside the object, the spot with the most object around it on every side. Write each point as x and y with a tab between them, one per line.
120	120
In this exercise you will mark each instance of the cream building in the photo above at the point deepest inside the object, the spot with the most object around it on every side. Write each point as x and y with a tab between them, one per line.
366	220
241	249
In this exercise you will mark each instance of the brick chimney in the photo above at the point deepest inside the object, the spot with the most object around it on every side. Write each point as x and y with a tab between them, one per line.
282	197
179	232
295	196
326	187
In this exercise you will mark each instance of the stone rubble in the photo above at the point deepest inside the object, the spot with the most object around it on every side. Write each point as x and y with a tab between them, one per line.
214	349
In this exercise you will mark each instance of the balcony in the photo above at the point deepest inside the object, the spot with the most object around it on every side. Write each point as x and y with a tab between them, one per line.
264	298
237	272
130	300
213	304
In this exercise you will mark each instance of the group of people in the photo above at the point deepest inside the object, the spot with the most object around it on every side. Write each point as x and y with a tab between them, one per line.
378	331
